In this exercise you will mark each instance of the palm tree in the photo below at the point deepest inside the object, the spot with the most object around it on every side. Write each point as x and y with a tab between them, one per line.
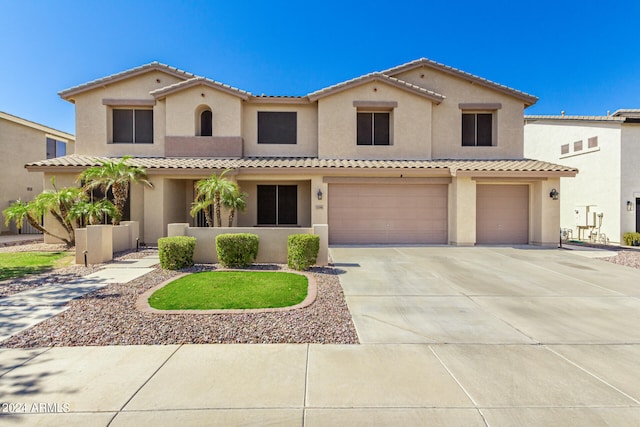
115	175
210	191
202	204
55	202
93	213
234	200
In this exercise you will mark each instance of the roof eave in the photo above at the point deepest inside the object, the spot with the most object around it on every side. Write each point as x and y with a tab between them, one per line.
199	81
68	94
528	99
340	87
515	174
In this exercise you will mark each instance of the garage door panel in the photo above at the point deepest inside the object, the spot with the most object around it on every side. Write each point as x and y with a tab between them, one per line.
387	213
502	214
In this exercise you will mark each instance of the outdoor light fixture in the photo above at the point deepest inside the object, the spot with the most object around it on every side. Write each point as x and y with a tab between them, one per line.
319	194
554	194
629	205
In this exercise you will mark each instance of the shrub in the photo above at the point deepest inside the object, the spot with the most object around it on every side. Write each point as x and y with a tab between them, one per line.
302	250
630	237
176	252
237	250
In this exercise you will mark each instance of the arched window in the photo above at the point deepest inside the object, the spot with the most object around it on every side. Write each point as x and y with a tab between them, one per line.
206	123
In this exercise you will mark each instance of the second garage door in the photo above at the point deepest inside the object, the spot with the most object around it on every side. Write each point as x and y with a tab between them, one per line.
387	213
502	214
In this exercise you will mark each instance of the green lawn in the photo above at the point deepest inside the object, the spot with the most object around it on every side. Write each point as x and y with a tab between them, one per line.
231	289
20	264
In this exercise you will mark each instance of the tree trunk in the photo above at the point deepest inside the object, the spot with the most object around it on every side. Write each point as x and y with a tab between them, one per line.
217	207
207	217
232	213
119	200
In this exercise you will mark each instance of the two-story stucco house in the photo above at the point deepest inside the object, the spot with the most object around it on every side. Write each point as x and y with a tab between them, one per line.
605	196
420	153
23	141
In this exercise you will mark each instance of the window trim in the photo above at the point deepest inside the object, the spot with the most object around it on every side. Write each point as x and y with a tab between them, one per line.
276	204
56	145
374	113
475	113
202	122
133	126
266	113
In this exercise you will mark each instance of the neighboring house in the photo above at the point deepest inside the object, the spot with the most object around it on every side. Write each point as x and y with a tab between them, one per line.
605	196
420	153
23	141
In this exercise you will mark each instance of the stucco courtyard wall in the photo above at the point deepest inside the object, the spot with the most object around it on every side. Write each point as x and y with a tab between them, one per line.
272	247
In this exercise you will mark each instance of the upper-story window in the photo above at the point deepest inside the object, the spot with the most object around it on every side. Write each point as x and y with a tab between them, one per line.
55	148
477	129
277	127
479	123
374	128
206	123
133	126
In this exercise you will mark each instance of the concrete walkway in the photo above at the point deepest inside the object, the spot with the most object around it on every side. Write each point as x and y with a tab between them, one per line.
492	337
25	309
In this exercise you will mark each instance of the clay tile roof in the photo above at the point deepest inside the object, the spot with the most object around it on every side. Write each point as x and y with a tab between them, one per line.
424	62
69	93
434	96
176	87
456	167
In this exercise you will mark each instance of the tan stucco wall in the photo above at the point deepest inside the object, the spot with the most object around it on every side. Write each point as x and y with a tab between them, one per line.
183	110
462	211
447	117
307	131
544	213
272	244
19	145
410	124
93	119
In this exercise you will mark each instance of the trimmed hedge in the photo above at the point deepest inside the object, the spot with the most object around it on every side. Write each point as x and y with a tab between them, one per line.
237	249
629	238
302	250
176	252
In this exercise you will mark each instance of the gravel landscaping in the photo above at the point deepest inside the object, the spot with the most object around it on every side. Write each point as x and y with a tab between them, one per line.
109	317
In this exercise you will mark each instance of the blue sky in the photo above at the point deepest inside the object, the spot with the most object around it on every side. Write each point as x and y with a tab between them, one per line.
577	56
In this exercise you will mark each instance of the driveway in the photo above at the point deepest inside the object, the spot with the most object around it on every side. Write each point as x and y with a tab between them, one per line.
450	337
488	295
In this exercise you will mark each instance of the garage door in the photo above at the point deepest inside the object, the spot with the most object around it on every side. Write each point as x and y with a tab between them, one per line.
387	213
502	214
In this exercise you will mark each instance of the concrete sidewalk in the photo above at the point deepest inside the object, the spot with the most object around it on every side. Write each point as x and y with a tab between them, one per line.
453	336
25	309
321	385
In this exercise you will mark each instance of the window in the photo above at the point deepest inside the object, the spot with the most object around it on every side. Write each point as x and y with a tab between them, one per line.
373	129
55	148
98	194
477	129
277	204
577	146
592	142
133	126
275	127
564	149
206	123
